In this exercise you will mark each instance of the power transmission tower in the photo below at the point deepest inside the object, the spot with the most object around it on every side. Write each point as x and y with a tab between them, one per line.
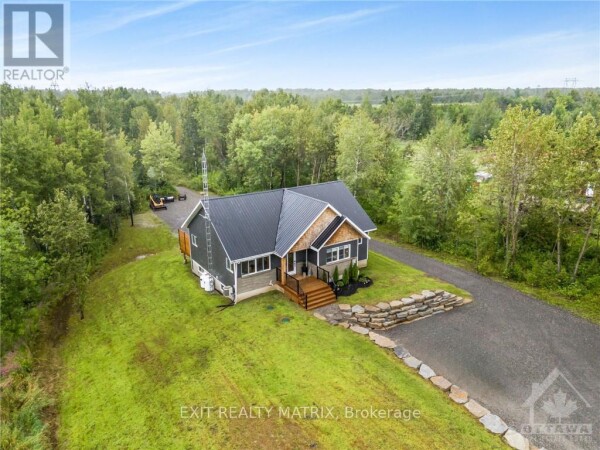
206	202
571	82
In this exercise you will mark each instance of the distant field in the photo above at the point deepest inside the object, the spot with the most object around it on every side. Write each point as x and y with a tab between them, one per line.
153	342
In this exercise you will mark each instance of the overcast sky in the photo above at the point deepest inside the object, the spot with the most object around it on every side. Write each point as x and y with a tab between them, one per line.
181	46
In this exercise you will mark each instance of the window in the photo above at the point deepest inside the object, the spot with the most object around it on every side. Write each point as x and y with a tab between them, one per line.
194	243
257	265
337	253
229	265
360	241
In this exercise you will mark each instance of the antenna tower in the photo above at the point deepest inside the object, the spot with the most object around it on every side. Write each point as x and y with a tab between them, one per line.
206	203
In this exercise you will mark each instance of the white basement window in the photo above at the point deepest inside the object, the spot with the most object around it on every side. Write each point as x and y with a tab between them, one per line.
338	253
257	265
194	243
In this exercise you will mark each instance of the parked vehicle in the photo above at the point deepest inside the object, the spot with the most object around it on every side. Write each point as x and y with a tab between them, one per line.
156	202
182	196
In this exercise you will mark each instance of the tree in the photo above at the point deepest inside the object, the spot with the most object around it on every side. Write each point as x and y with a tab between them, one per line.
359	141
486	116
442	172
322	139
584	140
522	137
368	162
82	155
160	154
29	162
119	177
267	147
65	235
336	274
23	272
397	116
424	116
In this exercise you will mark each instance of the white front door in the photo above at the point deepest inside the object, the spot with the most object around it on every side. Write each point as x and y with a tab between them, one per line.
291	263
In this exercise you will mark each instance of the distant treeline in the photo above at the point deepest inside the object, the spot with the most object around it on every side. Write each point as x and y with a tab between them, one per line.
379	96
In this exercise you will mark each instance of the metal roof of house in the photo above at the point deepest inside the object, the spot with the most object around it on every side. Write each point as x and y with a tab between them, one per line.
298	212
247	224
337	195
272	221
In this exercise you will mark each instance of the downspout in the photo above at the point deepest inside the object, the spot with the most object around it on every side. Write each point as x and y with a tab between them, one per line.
235	278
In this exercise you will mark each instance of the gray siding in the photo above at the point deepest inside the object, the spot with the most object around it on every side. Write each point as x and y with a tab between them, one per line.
363	250
199	254
301	256
256	281
312	256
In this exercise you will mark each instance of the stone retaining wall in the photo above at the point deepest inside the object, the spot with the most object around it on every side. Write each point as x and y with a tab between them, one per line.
385	315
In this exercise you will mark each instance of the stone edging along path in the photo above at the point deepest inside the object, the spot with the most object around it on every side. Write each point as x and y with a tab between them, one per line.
491	422
385	315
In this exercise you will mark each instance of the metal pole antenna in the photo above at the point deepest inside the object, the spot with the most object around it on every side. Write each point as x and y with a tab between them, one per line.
206	202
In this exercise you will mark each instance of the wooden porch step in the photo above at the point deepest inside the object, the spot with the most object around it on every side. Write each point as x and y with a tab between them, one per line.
321	302
318	295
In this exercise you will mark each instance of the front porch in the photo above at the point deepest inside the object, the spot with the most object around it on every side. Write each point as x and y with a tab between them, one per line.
308	291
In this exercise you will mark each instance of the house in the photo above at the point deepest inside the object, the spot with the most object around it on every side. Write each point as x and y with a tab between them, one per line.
287	239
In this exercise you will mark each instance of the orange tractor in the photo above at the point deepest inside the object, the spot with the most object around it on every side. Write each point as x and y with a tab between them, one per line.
156	202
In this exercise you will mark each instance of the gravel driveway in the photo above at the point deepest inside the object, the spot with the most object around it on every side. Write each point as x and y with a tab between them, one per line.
178	211
501	343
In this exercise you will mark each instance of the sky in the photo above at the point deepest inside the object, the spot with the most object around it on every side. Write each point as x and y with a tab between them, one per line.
187	45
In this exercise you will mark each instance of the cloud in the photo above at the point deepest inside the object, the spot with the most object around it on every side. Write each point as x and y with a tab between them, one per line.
120	19
344	18
300	28
246	45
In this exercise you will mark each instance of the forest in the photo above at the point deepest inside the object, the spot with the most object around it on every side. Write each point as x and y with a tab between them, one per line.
505	182
73	164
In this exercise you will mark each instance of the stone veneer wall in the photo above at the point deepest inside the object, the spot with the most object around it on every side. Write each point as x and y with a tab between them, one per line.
385	315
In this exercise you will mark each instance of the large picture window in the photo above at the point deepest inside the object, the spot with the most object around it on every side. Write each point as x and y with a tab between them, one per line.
256	265
338	253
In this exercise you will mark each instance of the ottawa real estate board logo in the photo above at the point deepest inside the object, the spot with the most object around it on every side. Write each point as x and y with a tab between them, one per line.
557	409
35	44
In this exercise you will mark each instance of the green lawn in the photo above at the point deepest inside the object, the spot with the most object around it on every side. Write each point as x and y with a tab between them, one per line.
153	342
393	280
148	236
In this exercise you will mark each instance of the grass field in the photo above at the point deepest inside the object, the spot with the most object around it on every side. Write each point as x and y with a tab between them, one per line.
153	342
393	280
